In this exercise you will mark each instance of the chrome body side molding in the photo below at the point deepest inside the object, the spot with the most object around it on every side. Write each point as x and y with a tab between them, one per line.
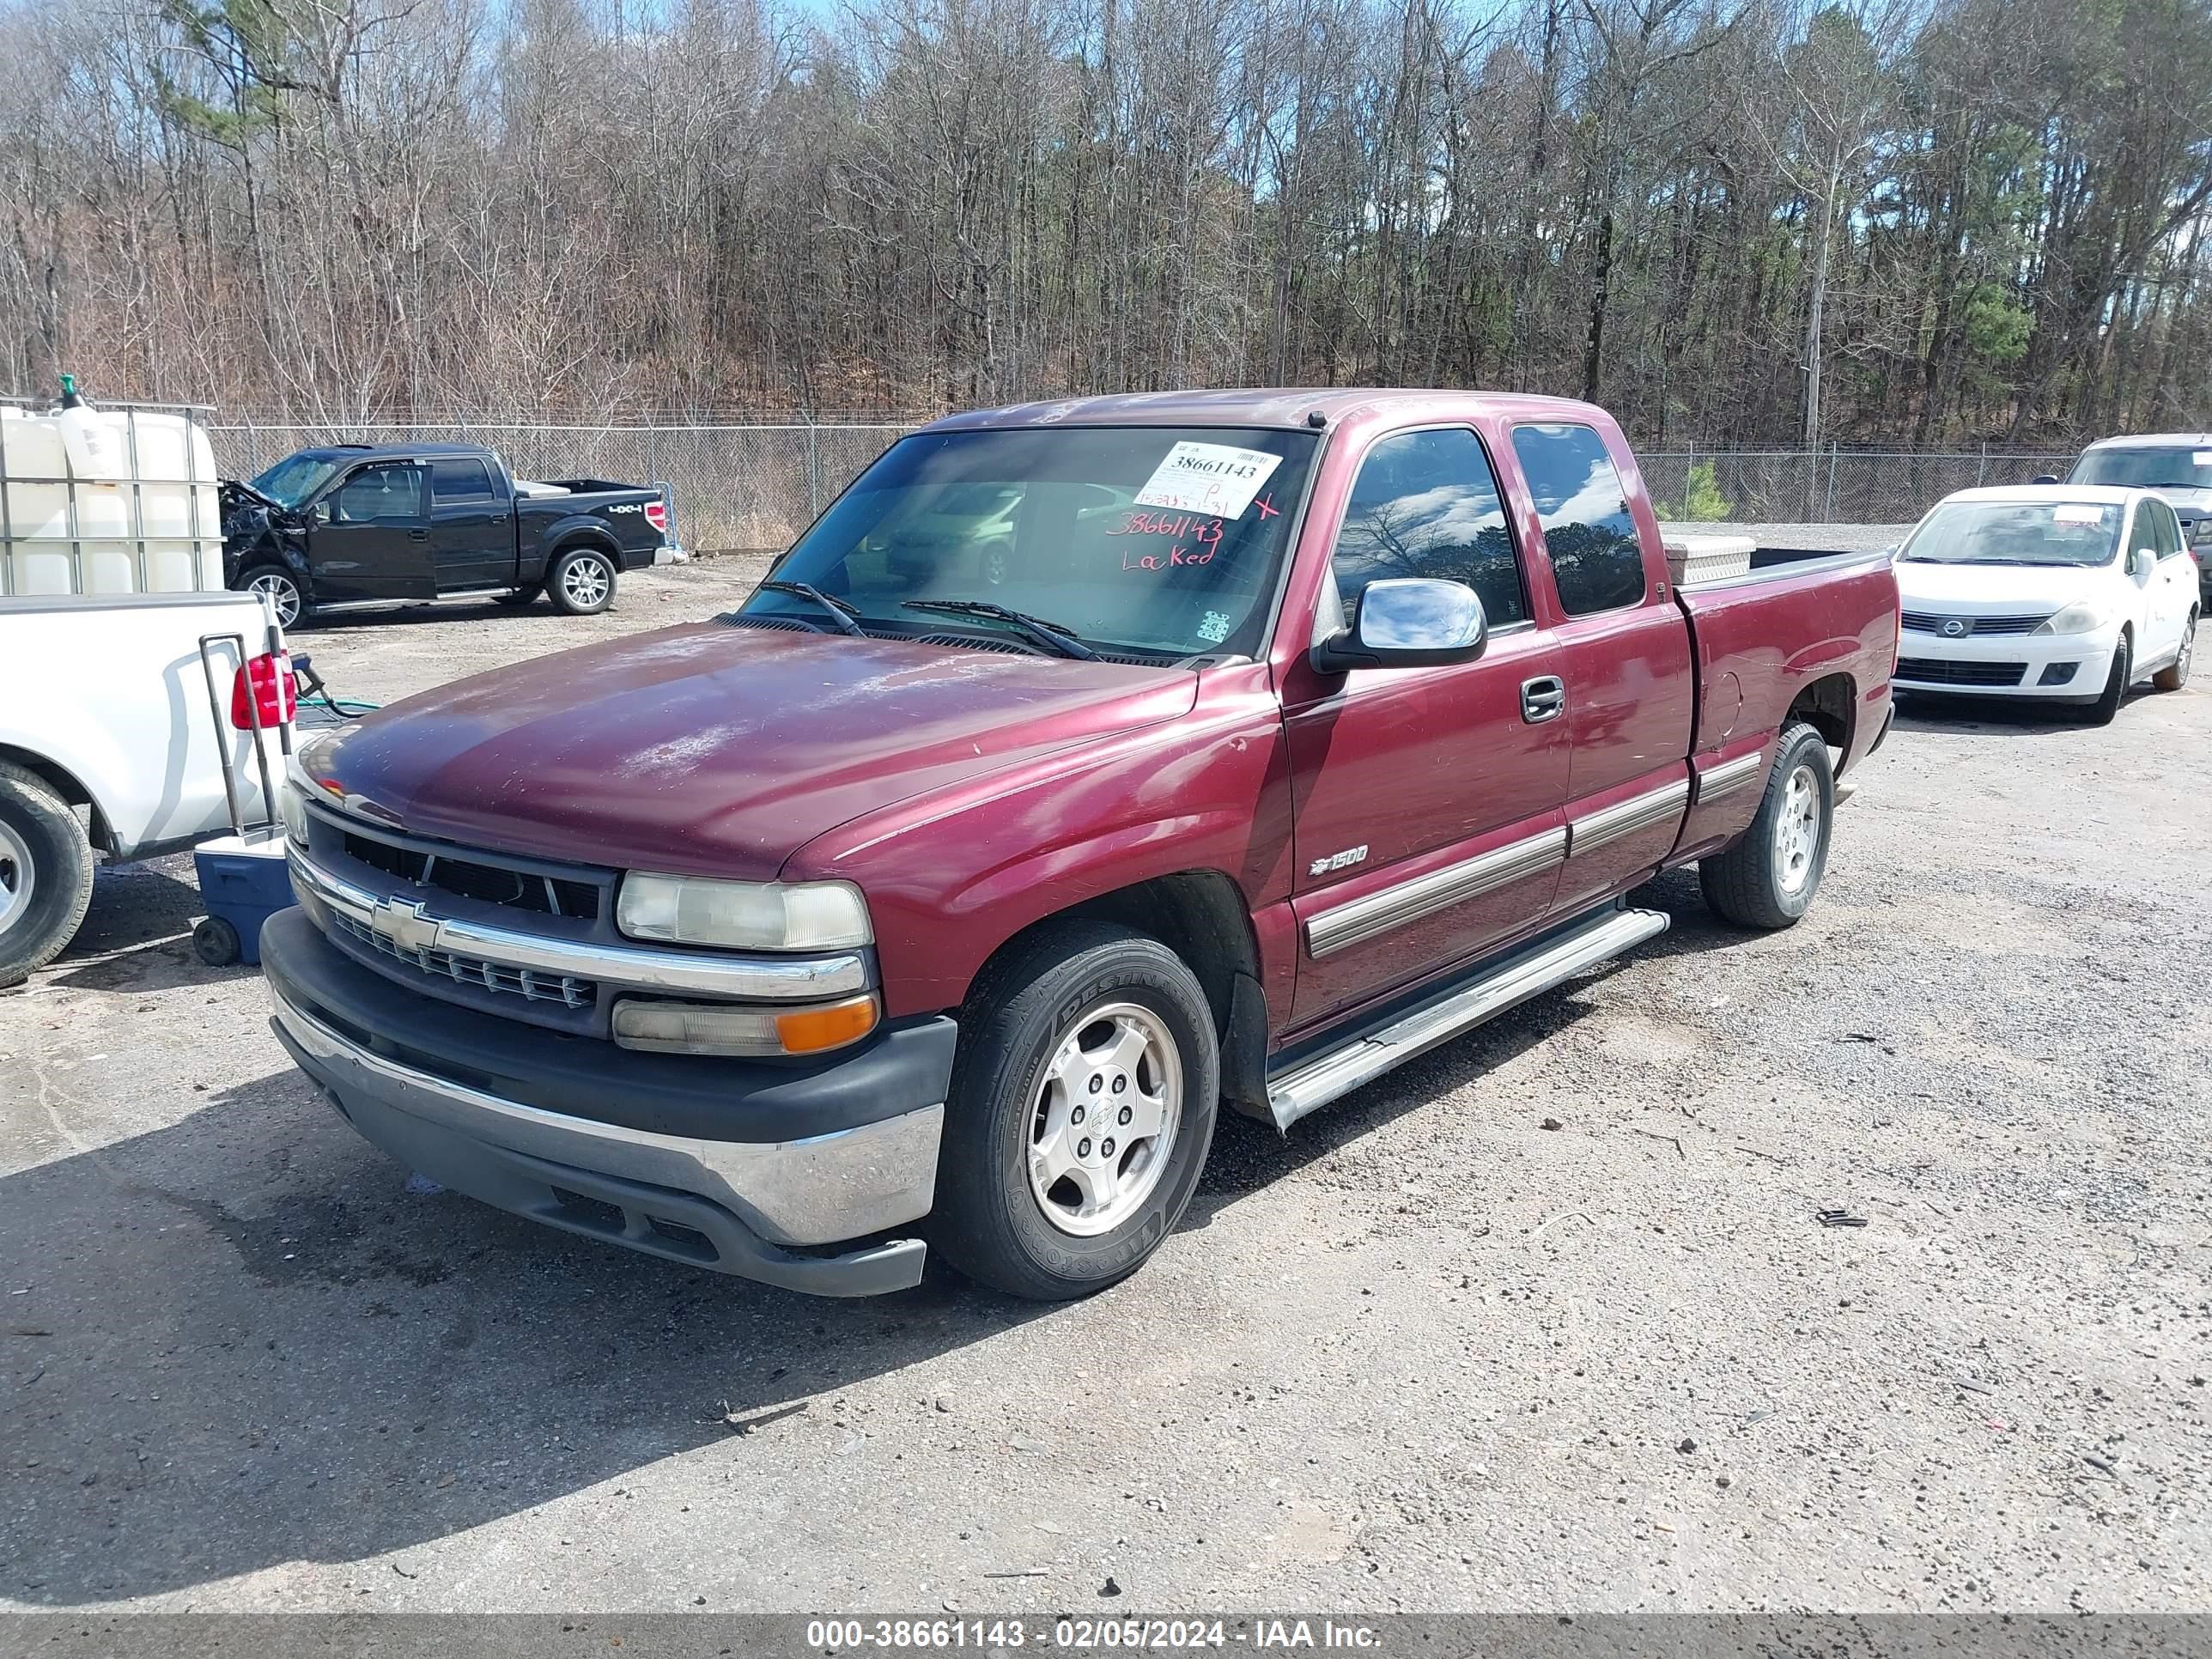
1361	919
1625	817
1730	776
1315	1083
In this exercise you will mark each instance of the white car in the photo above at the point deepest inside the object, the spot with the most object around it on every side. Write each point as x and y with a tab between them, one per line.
2069	592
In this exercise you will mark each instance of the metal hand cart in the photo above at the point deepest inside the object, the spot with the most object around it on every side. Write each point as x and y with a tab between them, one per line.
242	875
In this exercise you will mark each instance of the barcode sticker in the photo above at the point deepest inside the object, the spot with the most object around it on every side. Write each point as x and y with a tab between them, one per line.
1218	480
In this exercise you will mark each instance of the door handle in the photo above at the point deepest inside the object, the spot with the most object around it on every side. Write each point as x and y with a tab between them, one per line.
418	534
1544	698
499	518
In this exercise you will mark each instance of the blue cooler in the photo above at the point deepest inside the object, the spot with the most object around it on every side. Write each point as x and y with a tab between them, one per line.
243	883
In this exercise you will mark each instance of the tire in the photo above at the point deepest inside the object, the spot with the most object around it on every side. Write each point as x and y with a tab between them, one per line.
1767	879
520	597
46	874
1038	1045
2102	712
294	608
2174	678
581	581
215	942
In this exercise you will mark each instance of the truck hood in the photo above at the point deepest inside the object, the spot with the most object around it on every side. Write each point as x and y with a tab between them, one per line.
1997	589
709	750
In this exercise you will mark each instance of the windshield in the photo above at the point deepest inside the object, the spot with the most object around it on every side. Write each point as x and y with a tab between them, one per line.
294	478
2138	468
1159	541
2016	532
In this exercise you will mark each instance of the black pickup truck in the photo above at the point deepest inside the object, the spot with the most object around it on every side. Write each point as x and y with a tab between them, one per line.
346	524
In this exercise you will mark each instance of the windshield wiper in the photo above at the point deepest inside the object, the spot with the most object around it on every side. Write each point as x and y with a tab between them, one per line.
841	613
1060	640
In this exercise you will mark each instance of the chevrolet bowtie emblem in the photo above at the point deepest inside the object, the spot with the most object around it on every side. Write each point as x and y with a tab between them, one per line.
401	921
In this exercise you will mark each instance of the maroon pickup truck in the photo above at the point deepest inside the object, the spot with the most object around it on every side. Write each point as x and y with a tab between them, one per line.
1087	767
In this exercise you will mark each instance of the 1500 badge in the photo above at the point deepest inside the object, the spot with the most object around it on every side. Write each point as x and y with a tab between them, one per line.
1344	860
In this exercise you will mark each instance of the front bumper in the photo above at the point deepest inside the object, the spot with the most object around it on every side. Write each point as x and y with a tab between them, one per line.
449	1093
1970	667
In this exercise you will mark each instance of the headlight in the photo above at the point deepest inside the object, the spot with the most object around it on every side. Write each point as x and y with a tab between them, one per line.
722	1028
292	807
815	916
2082	618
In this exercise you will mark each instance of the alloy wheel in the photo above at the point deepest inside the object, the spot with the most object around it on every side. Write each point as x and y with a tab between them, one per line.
1103	1119
585	581
282	593
1797	832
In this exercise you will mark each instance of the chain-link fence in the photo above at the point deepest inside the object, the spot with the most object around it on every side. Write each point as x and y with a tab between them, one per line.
759	486
1829	486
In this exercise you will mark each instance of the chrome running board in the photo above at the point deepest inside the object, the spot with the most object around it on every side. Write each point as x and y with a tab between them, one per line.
1315	1083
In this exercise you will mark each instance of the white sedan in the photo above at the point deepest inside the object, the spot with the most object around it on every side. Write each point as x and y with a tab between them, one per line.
2070	593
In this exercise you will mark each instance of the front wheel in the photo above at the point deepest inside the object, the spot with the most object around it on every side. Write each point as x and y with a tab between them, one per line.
581	582
1767	879
2107	706
2174	678
285	594
1082	1106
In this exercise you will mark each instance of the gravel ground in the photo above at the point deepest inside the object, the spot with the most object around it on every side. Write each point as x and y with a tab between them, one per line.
1425	1351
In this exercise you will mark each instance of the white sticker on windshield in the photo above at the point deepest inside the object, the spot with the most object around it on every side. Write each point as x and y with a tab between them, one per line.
1219	480
2070	512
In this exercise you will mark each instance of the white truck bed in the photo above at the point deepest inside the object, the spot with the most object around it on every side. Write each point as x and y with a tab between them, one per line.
104	702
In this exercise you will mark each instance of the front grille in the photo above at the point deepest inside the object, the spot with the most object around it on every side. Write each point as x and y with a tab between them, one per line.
566	989
1928	671
1931	622
489	883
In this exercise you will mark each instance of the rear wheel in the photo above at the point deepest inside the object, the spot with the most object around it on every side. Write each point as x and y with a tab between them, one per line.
46	874
1768	879
2107	706
284	593
581	581
1082	1106
2174	678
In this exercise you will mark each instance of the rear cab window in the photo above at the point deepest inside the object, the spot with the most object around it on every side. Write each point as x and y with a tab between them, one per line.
1426	504
456	480
1597	558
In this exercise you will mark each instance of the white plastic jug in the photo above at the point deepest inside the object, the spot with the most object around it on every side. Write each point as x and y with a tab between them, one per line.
95	447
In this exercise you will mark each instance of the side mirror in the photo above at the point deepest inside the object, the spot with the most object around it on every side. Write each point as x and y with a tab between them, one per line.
2142	561
2044	477
1408	621
321	512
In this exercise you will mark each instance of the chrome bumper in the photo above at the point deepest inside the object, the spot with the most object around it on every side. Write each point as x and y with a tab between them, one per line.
731	1206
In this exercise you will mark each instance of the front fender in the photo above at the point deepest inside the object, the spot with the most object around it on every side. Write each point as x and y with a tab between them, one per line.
950	876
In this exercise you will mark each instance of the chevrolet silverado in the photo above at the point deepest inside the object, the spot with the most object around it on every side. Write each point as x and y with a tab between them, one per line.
1279	737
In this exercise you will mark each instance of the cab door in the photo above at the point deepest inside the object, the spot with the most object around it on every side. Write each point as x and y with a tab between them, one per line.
1429	828
472	529
1624	661
370	540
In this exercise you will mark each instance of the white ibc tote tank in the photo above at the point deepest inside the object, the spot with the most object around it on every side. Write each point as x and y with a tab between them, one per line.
121	500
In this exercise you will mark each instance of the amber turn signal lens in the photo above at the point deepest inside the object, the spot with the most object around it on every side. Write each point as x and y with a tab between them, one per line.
810	1031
